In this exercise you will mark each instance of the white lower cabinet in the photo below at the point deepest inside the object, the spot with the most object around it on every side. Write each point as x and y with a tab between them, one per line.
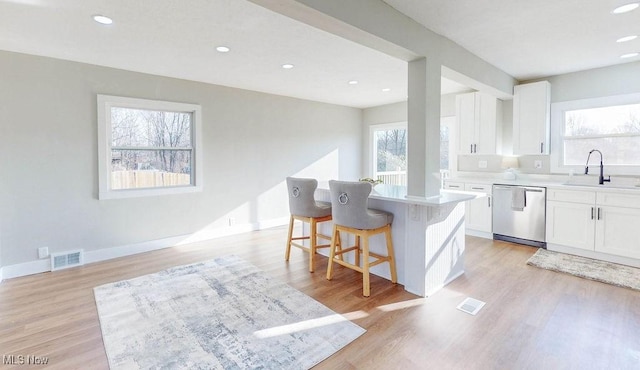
570	224
603	222
478	211
618	231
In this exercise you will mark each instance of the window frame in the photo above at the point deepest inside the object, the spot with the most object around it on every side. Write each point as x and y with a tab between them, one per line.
557	133
373	152
105	103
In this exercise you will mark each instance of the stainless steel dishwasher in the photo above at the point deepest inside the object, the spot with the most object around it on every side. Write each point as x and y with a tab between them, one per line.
519	214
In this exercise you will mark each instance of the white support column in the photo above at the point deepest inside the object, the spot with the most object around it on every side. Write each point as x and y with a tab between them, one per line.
423	157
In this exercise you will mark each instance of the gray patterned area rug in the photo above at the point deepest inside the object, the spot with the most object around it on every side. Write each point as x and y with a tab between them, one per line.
220	314
605	272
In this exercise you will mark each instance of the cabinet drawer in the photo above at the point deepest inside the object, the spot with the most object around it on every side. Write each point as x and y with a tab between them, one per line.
454	185
619	199
479	188
573	196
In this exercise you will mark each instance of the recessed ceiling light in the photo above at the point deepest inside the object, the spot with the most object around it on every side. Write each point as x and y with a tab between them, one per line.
627	38
223	49
287	66
625	8
630	55
102	19
386	89
353	82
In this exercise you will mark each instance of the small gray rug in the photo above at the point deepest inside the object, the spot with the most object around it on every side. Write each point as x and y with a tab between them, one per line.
220	314
606	272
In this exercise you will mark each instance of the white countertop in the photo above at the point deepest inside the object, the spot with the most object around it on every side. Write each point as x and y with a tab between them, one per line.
578	183
398	193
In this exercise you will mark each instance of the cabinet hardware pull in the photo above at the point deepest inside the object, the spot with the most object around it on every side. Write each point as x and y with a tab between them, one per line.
475	148
592	212
541	148
477	188
471	148
599	212
454	186
489	201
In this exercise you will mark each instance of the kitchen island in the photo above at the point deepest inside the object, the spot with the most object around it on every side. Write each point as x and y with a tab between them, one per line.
428	236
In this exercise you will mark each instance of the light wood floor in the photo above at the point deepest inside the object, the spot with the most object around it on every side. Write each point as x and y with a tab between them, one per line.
533	319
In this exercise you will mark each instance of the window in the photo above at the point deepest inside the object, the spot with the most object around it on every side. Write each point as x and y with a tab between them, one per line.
444	147
448	144
147	147
390	153
609	124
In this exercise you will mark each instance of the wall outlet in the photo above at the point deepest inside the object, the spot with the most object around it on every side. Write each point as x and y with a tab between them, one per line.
482	164
537	164
43	252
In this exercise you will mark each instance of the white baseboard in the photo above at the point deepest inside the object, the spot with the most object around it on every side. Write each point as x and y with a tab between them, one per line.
26	268
479	234
44	265
595	255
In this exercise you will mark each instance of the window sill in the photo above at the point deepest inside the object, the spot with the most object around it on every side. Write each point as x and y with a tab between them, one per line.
147	192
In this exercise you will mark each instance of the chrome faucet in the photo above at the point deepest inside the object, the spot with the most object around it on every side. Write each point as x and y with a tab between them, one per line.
601	179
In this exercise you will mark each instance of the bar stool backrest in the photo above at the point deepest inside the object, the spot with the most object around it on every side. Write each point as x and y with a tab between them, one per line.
349	204
301	197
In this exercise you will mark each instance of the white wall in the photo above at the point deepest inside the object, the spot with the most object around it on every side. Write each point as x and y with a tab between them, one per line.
397	112
48	145
594	83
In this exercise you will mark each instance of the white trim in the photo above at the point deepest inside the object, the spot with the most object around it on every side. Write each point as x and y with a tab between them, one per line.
479	234
26	268
557	123
105	103
44	265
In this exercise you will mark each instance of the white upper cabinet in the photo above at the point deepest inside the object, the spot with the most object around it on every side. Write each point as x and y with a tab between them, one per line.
477	116
531	112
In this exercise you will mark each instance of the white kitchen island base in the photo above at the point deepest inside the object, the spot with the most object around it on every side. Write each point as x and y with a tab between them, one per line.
428	236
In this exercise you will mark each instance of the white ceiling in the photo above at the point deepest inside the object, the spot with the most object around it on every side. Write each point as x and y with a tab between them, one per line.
532	38
177	38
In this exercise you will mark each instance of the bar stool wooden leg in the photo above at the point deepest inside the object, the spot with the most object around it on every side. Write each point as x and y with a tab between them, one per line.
288	250
358	251
366	288
392	259
313	242
332	251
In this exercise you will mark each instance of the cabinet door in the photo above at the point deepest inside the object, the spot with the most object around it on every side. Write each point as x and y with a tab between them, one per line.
571	224
478	211
531	110
465	118
618	231
485	126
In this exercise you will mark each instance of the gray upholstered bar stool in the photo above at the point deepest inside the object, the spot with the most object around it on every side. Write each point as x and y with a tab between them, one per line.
303	207
349	202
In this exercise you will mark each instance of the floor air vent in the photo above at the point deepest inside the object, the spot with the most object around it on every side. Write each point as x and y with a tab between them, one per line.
66	259
471	306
